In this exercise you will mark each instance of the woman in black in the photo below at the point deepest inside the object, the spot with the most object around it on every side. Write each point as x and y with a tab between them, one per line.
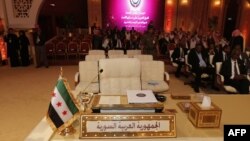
12	47
24	48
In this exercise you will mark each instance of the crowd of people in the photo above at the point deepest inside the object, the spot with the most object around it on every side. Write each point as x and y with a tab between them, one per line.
18	48
197	46
124	39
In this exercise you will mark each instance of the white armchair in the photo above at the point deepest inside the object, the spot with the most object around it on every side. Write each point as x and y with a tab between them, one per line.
154	77
118	56
132	53
115	52
86	80
119	75
94	57
96	52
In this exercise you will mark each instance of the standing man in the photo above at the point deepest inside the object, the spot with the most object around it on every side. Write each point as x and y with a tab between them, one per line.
148	42
12	47
24	48
39	42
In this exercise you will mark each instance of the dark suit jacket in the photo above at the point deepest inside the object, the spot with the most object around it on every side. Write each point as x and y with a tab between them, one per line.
12	44
193	59
176	54
41	37
226	69
218	57
238	40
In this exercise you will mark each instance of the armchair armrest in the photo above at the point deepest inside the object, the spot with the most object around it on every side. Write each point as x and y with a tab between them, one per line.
77	78
220	79
188	67
167	78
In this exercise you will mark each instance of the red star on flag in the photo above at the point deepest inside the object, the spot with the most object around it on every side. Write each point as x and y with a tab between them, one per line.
53	94
64	113
59	104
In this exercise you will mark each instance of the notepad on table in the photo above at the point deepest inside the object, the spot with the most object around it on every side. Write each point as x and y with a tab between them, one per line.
141	96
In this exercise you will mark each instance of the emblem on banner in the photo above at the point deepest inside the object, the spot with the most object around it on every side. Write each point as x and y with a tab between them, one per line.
135	3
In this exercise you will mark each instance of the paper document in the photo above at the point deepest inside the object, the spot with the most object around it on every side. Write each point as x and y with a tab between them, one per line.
141	96
110	100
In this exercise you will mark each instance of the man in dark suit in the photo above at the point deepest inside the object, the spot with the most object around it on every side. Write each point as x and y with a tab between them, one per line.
235	73
198	59
178	57
40	50
222	55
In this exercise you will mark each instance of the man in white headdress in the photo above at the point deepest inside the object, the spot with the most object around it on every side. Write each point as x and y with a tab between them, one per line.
237	39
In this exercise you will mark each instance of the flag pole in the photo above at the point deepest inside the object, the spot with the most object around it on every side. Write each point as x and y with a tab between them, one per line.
61	72
70	130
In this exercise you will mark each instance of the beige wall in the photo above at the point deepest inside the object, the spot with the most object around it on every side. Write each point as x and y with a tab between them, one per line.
3	14
26	23
245	22
194	14
95	12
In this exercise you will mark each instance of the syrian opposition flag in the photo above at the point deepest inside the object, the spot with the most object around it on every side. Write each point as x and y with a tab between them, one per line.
63	108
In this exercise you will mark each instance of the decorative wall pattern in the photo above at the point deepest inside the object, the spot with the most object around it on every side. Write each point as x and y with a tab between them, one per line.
21	8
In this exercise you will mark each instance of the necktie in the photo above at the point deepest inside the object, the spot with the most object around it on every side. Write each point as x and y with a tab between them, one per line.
181	53
235	69
225	57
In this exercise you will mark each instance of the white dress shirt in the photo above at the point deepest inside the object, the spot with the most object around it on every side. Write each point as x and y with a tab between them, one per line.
202	62
224	55
237	67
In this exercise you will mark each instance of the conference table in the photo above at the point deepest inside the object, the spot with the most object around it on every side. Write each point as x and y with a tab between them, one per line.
234	111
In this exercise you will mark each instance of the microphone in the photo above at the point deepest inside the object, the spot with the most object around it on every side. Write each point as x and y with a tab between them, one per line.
100	71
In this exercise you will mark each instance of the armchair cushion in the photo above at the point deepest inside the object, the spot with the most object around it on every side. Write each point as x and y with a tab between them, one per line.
119	75
155	86
152	76
230	89
88	71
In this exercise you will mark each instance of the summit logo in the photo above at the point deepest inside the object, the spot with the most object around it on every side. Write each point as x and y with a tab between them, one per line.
135	3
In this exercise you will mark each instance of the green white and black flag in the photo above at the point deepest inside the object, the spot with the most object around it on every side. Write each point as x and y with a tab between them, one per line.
63	108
